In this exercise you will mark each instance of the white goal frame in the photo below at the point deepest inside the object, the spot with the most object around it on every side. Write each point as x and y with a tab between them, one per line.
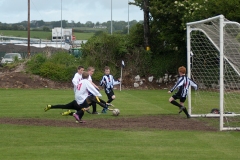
220	48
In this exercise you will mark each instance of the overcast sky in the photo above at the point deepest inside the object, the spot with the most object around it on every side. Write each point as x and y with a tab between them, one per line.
14	11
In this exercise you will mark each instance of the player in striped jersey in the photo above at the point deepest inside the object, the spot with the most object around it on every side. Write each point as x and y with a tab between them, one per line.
183	85
108	82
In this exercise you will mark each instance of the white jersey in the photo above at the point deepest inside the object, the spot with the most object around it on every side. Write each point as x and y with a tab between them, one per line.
82	90
90	78
76	79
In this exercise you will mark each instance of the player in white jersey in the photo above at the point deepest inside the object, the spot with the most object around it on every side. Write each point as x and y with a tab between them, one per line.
77	77
90	71
183	85
91	98
79	104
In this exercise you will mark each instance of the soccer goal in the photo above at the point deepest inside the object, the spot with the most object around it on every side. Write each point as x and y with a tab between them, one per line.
213	48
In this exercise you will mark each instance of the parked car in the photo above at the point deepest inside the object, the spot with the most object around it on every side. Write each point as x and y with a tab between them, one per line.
9	57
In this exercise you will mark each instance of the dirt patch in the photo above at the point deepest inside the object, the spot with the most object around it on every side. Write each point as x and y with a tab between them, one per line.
24	80
18	78
160	122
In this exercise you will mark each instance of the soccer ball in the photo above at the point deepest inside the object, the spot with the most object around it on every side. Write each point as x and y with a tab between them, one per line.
116	112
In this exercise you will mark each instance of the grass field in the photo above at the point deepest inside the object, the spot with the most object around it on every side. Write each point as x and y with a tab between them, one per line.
23	142
43	34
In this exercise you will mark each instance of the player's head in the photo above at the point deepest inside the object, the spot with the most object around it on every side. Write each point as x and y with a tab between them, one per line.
85	75
182	70
90	70
107	70
80	69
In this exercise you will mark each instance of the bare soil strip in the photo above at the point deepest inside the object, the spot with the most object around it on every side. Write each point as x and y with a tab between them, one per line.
161	122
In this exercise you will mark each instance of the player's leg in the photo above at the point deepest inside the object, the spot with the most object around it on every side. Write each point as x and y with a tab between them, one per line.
174	102
80	111
94	108
78	114
60	106
92	101
68	112
101	102
96	100
182	100
111	96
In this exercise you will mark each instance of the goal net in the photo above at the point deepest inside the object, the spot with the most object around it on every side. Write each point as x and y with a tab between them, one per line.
213	47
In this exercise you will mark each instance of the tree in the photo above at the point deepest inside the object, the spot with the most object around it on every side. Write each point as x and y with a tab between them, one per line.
168	20
89	24
97	23
46	29
58	23
146	23
40	23
105	49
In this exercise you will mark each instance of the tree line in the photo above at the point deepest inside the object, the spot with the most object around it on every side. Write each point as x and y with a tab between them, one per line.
47	26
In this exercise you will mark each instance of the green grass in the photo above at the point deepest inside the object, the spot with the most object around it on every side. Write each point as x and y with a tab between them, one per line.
45	142
42	34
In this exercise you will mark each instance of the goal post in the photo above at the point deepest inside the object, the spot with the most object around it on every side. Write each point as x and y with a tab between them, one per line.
213	62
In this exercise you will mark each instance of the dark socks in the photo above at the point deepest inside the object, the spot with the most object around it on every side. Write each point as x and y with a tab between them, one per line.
94	106
80	113
186	112
110	100
179	105
176	104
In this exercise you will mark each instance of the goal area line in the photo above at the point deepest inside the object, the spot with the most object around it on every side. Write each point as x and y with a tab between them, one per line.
213	115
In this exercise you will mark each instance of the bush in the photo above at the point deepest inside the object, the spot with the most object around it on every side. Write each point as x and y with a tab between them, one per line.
59	67
56	71
97	76
35	63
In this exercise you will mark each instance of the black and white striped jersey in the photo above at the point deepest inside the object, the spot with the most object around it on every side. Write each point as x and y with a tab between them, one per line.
183	85
108	82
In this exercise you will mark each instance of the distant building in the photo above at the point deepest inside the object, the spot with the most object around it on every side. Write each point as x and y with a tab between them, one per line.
99	26
61	34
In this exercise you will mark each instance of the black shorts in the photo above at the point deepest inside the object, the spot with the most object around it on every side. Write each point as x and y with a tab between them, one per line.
90	100
178	96
84	104
110	94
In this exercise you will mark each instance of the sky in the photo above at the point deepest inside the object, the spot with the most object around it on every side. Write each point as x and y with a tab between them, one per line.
14	11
